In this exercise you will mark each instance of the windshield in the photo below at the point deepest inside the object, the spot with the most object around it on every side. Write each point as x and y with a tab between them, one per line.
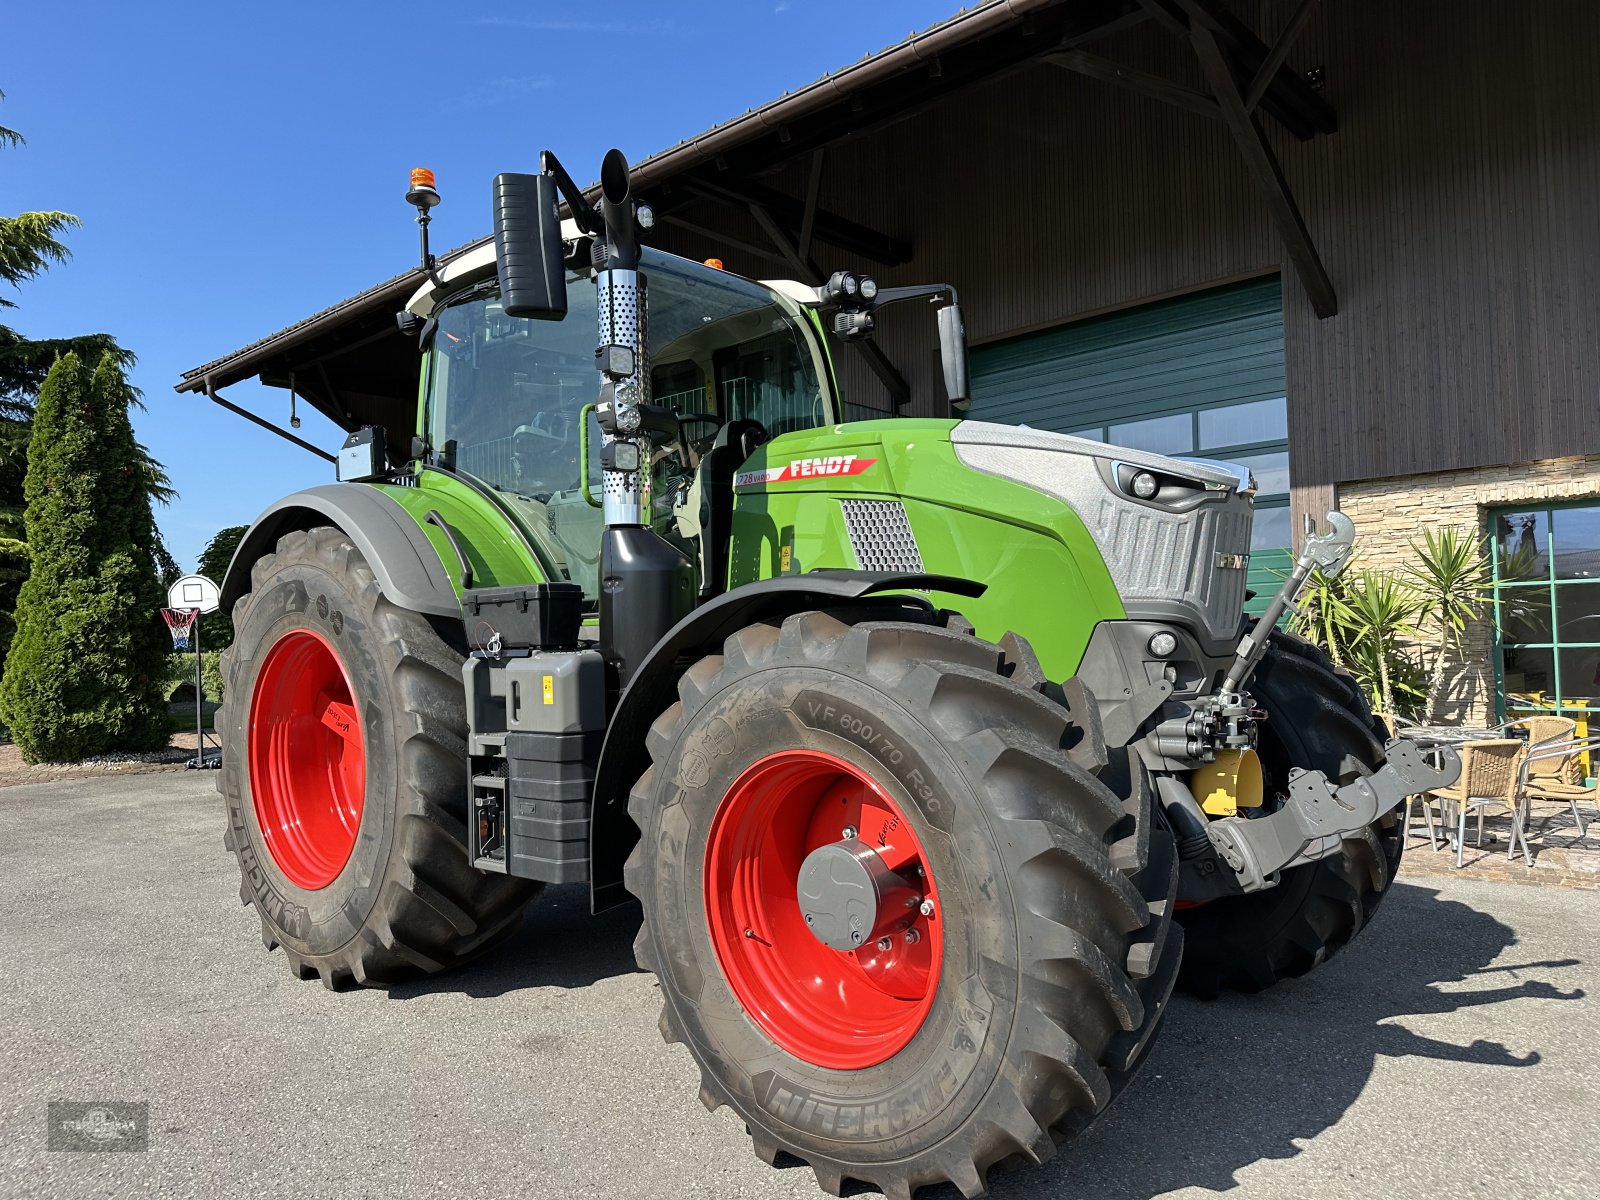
505	395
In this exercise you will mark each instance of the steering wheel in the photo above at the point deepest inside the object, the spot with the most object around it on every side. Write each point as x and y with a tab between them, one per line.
702	443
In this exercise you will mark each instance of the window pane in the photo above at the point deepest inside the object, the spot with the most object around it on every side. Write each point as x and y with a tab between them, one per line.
1097	434
1522	543
1578	611
1576	537
1580	673
1162	435
1271	529
1525	614
1245	424
1530	672
1271	471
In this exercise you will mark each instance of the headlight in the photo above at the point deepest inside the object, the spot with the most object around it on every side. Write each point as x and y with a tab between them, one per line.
1145	485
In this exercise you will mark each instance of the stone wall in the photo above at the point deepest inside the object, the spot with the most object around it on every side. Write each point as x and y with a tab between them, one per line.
1391	513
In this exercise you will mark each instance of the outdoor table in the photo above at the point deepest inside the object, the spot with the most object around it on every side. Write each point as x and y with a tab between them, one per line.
1448	735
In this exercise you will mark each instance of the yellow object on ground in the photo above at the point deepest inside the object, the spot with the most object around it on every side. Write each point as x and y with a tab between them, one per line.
1230	783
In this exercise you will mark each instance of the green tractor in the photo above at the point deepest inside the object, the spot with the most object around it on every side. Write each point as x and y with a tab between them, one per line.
936	752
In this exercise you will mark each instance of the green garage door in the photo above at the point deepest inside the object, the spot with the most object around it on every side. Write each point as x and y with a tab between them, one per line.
1202	374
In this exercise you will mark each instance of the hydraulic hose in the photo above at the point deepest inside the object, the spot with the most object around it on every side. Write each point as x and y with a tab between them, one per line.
1188	819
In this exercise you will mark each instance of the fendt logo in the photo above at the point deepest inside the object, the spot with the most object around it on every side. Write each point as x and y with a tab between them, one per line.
805	468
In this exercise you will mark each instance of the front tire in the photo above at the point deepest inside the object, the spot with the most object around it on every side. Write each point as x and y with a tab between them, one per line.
1317	718
1053	962
344	775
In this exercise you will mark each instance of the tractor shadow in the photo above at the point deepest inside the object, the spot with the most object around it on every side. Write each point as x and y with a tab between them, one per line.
1249	1078
559	944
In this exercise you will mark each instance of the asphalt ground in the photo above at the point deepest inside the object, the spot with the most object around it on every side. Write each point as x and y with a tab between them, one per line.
1450	1052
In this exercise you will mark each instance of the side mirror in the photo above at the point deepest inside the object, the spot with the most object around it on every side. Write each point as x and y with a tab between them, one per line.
529	253
953	352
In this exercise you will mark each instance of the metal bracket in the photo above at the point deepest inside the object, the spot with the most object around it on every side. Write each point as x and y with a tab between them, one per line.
1318	815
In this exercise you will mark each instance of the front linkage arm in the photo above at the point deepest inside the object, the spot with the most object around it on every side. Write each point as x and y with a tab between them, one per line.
1319	815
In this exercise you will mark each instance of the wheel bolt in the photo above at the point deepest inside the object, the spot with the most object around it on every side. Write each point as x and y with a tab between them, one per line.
926	908
855	936
912	937
810	920
885	945
849	833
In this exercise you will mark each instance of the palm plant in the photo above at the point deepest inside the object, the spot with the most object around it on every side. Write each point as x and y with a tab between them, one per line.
1382	611
1450	576
1364	621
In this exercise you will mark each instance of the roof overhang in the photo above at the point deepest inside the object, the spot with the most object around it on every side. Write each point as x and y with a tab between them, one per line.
352	363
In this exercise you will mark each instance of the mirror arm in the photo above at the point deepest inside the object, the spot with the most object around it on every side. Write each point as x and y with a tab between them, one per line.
583	213
932	291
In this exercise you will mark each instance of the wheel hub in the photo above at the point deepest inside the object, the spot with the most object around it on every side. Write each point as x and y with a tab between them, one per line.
306	758
832	945
848	895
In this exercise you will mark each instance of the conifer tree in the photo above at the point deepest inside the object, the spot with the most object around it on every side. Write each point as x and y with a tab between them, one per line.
84	672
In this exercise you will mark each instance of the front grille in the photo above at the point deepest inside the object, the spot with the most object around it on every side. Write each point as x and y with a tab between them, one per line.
881	536
1174	557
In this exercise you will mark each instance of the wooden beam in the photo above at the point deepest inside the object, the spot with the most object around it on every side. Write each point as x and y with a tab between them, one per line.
879	363
1277	55
1146	84
1288	98
805	269
1263	166
1127	20
883	367
808	222
719	239
847	235
1163	16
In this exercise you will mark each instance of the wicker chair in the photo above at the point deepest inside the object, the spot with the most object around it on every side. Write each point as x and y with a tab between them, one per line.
1490	775
1554	771
1542	730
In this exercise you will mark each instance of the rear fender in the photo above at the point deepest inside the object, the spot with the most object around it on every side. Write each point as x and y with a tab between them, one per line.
407	567
623	758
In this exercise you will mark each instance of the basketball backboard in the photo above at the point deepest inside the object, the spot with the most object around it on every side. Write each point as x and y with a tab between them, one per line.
195	591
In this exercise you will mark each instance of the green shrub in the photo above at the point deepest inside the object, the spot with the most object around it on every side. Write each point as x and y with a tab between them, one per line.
179	681
86	665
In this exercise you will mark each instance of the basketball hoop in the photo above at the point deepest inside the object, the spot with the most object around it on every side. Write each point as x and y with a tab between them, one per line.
180	623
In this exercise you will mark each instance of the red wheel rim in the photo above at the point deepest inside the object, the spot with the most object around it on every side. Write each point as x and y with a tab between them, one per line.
307	760
839	1009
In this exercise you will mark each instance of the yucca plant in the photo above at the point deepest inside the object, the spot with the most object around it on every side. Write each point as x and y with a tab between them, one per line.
1322	616
1382	610
1450	576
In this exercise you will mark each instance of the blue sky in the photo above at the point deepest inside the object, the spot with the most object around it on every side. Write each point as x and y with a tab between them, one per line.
240	166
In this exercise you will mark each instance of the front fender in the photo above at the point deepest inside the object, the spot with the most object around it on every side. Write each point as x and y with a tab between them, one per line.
407	566
654	686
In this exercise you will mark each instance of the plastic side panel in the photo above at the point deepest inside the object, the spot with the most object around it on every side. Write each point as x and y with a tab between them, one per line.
498	553
1047	581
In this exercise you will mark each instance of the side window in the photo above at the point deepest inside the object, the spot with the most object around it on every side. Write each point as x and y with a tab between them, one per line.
767	380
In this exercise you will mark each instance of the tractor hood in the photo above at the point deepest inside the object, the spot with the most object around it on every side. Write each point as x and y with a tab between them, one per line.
1180	553
1207	472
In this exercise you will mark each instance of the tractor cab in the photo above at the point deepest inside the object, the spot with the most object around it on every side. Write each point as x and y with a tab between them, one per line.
508	402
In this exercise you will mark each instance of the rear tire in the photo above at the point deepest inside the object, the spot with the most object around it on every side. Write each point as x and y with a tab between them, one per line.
405	901
1317	718
1054	901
